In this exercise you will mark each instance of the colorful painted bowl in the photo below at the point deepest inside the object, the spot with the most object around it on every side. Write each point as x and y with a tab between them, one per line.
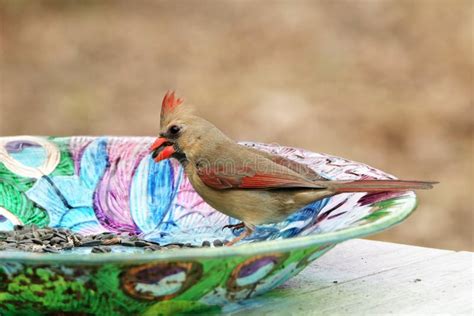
91	185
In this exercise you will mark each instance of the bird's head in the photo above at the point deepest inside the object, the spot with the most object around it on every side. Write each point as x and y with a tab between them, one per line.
182	134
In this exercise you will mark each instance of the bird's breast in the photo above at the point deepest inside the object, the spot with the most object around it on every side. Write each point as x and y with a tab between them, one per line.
253	206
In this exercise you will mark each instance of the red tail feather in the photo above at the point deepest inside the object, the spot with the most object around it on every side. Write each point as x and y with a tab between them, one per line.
382	186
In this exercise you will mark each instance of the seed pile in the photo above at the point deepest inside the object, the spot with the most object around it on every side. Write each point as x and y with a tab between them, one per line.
54	240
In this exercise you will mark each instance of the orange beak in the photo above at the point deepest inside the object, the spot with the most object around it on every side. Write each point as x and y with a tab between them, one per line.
162	149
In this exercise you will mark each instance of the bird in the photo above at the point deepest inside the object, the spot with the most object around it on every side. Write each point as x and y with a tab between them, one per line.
253	186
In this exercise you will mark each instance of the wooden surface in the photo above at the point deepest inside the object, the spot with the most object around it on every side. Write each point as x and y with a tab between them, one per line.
361	277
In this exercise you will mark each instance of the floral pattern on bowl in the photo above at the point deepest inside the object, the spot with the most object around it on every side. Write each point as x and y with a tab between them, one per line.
97	184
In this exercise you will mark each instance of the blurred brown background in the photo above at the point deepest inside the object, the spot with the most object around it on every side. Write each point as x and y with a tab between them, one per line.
383	82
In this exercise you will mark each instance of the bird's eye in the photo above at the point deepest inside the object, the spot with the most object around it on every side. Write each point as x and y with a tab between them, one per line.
174	130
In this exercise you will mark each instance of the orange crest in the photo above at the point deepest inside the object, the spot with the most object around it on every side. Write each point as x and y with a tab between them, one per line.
170	102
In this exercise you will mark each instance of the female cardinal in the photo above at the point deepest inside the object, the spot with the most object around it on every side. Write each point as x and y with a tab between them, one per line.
253	186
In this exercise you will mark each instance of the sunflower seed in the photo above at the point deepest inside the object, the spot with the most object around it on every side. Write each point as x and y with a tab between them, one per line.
218	243
141	243
111	241
91	243
127	243
152	248
52	240
18	227
47	236
56	240
101	249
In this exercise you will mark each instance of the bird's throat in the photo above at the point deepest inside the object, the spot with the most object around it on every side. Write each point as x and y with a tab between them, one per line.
181	157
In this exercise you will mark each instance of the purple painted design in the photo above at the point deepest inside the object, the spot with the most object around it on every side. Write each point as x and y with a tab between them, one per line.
77	146
155	273
112	197
254	266
371	198
327	214
18	146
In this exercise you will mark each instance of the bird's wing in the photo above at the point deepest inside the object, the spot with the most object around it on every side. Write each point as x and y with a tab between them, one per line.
297	167
252	179
255	172
259	172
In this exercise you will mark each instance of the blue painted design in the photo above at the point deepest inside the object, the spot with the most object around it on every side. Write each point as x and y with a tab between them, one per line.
5	224
94	162
292	226
67	201
30	156
152	194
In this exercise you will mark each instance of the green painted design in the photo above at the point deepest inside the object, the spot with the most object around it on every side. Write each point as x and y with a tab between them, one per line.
21	183
15	201
382	209
375	216
66	164
99	289
177	307
55	288
64	168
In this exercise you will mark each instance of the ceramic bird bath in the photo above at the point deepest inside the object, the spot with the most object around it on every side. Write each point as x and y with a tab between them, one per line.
111	184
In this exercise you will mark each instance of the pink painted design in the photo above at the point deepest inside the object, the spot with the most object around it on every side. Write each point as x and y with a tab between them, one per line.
112	197
77	146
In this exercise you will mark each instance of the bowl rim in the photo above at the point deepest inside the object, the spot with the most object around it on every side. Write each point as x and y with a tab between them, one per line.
407	206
